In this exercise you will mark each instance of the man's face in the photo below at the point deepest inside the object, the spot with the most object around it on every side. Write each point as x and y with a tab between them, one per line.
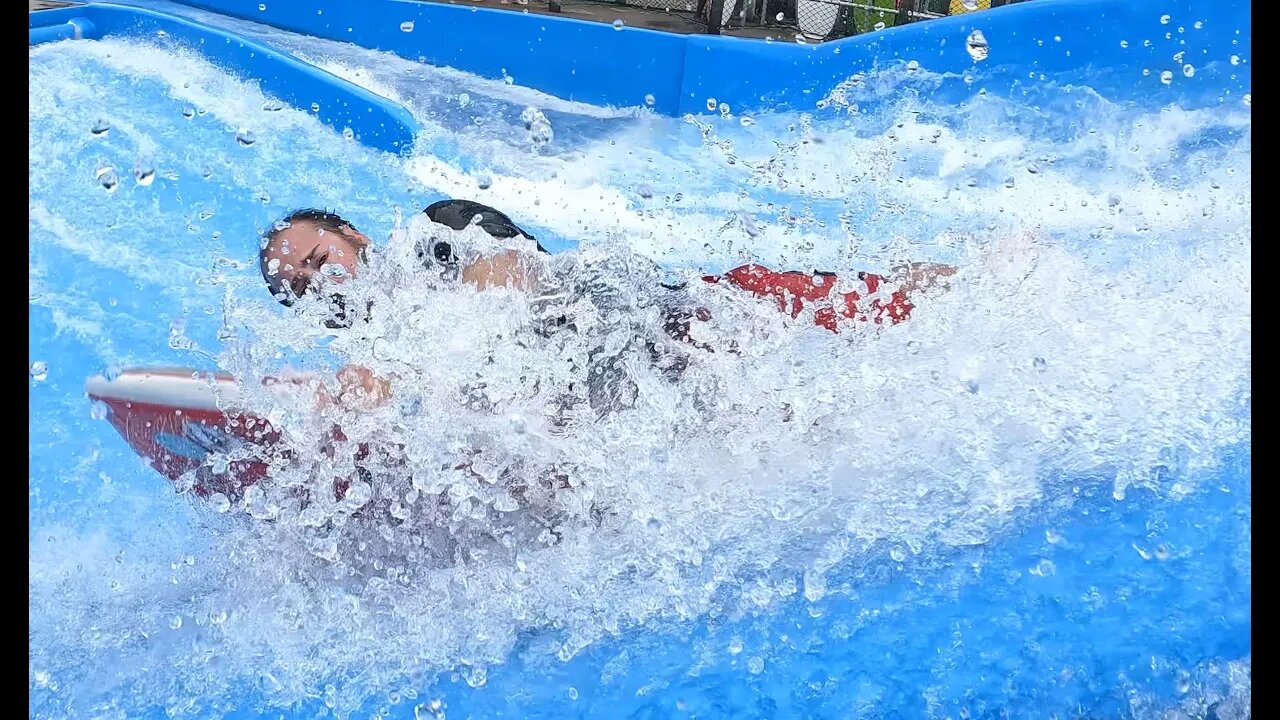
305	256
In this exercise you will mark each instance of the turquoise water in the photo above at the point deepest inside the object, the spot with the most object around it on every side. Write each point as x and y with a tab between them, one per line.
1033	500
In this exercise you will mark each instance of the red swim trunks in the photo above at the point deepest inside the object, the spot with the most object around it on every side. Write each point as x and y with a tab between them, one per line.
801	289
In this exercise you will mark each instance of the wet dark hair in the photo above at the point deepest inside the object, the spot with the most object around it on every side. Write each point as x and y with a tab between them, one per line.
330	222
458	214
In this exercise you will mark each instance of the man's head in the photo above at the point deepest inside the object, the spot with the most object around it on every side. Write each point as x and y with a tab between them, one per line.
310	248
307	249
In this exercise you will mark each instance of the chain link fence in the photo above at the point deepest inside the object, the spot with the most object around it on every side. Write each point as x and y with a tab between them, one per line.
667	5
815	20
831	19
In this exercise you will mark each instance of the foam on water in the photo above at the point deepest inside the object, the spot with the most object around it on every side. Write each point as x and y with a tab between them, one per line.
1097	335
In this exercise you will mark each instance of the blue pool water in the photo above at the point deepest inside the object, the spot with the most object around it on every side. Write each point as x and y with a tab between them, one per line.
1033	500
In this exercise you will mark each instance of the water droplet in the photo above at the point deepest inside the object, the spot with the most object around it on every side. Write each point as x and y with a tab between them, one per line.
144	173
1164	19
778	17
913	66
188	112
539	127
244	137
406	26
1162	552
518	424
724	109
262	7
746	121
1008	182
100	128
815	585
272	105
1124	43
1044	568
573	693
315	107
484	181
755	665
107	178
878	26
977	46
1166	76
970	4
1039	363
1247	99
218	618
176	622
333	270
508	79
644	191
39	371
219	502
898	554
475	677
618	24
1188	70
348	134
711	104
1235	59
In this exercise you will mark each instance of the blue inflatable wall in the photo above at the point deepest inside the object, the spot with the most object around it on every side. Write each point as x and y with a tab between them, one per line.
376	121
1157	51
596	63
